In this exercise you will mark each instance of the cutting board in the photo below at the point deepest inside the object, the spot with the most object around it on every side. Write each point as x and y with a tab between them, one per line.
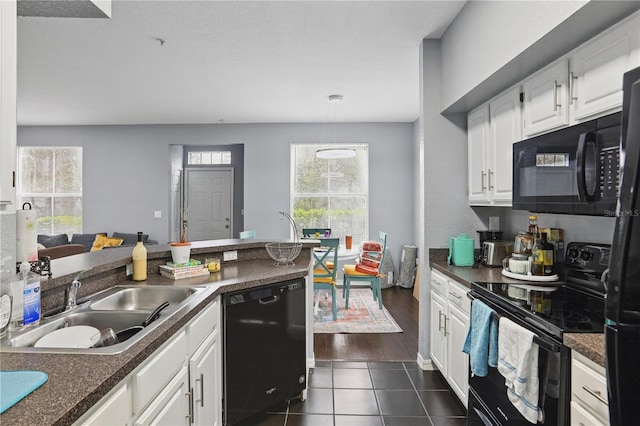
15	385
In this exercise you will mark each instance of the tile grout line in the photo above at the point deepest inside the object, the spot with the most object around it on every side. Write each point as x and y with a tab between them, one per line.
415	389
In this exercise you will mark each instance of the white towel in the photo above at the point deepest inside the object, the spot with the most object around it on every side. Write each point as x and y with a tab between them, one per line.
518	363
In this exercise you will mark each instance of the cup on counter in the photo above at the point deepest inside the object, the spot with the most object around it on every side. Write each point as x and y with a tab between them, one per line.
213	264
348	241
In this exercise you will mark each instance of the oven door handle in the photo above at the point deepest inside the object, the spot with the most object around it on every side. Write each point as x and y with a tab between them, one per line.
543	343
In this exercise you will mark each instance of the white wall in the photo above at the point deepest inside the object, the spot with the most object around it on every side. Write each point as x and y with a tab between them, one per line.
127	170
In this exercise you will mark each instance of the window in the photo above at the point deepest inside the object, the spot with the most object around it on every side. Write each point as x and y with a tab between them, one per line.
50	178
331	193
208	157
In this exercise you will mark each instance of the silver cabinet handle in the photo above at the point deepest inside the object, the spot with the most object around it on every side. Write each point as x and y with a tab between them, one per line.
190	404
482	175
201	380
555	95
490	180
455	295
445	325
596	394
439	320
572	79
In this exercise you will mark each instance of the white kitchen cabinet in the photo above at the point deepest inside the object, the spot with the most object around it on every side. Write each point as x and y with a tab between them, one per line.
180	383
585	83
8	84
589	404
596	68
492	129
545	104
172	406
205	381
477	142
450	309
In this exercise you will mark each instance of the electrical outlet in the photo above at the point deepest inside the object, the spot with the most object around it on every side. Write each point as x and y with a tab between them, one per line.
230	255
157	214
129	269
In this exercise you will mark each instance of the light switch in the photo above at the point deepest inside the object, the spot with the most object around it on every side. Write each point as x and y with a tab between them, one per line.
157	214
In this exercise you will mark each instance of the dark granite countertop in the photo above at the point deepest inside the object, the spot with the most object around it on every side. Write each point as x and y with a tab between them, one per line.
590	345
465	275
77	382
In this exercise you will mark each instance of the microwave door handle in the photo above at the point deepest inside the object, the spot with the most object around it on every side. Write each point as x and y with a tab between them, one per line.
586	141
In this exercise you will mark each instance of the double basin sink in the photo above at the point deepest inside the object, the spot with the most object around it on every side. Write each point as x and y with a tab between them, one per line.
118	308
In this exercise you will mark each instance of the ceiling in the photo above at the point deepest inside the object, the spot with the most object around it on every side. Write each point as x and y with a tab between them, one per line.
227	61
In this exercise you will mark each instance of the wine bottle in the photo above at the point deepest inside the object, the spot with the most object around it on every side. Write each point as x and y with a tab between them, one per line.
537	267
139	260
548	255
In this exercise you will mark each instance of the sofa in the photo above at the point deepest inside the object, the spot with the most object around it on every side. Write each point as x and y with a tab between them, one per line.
57	246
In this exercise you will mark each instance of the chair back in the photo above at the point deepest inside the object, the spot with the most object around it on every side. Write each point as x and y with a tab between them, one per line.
382	239
328	252
311	232
248	235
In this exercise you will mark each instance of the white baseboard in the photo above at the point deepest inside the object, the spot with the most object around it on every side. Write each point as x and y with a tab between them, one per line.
425	364
311	362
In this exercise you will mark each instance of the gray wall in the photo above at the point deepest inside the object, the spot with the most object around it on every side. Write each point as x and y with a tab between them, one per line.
127	170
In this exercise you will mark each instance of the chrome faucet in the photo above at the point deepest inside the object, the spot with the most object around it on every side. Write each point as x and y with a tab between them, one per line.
71	292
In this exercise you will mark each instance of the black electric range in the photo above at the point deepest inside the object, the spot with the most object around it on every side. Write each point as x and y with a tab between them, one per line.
574	304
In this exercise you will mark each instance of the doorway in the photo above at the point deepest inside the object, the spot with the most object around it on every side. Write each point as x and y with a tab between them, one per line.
208	199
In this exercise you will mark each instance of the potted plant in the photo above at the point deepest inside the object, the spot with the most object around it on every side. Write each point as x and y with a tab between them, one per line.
181	251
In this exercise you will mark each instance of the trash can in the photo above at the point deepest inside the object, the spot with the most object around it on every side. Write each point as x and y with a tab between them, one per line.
408	263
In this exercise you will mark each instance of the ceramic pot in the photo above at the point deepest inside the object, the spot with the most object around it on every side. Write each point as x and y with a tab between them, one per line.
180	252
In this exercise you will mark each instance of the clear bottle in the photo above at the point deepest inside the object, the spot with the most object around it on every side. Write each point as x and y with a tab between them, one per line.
139	260
548	255
537	266
25	288
6	297
533	224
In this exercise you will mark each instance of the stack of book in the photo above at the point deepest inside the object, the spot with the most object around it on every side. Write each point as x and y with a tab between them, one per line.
185	270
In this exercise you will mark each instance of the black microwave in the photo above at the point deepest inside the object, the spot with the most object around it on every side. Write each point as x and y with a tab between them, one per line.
575	170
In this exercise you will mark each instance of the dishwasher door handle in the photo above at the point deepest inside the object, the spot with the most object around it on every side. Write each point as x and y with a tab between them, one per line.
269	300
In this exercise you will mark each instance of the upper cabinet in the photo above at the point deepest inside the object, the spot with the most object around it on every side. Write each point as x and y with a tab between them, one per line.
596	68
584	84
491	131
8	78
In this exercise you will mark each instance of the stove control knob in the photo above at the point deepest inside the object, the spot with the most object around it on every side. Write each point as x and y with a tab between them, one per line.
586	255
573	253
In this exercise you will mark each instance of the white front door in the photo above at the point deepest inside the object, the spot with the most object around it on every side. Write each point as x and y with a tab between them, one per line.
208	199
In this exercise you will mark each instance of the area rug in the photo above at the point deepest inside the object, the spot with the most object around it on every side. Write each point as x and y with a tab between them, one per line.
363	315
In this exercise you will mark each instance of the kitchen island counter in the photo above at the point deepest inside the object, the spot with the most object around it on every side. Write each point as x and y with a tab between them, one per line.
77	381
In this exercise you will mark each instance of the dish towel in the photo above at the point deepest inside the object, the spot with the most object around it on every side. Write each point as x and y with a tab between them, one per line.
518	363
482	339
15	385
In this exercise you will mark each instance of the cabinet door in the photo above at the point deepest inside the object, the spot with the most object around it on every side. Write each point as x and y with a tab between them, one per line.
8	84
458	377
205	378
506	129
545	99
171	406
438	339
477	140
114	411
597	68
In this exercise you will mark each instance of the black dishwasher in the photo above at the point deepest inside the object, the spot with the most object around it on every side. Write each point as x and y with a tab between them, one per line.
264	348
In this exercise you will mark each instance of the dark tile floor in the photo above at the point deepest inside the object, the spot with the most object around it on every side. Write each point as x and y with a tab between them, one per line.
354	393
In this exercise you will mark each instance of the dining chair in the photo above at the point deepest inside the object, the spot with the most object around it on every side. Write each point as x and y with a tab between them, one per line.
324	277
311	232
351	274
248	235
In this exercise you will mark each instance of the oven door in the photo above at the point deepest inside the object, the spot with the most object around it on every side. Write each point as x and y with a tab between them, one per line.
488	400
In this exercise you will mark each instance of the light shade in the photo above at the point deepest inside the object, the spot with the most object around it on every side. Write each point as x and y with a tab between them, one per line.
332	153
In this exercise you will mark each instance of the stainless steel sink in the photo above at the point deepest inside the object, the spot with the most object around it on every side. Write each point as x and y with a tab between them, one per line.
118	308
145	298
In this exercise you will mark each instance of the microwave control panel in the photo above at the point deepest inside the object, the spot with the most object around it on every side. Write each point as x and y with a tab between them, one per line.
609	172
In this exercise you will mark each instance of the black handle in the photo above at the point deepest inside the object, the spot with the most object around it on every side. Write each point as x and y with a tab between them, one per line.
269	300
586	151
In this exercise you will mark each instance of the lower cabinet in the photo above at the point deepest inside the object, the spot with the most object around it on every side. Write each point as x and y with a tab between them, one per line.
589	404
450	309
179	384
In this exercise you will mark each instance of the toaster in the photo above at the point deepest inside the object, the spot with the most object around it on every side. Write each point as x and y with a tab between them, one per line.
493	252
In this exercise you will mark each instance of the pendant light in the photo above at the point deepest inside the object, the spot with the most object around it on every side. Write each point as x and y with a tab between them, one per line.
335	152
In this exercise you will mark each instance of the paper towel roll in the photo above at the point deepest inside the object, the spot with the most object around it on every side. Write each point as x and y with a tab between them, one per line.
26	235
